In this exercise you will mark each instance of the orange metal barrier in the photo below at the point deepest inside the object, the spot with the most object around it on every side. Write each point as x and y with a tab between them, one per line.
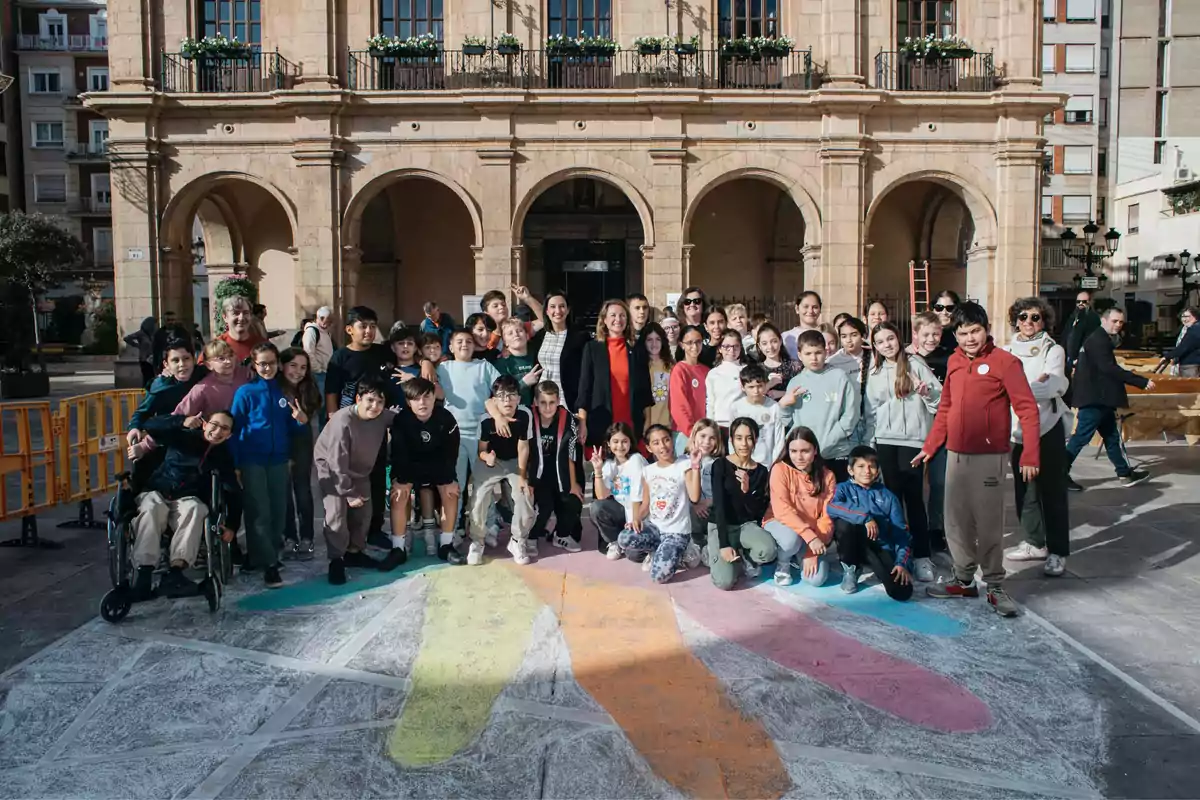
69	454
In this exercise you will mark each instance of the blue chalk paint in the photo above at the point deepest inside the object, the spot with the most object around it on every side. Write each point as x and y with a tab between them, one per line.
872	601
318	591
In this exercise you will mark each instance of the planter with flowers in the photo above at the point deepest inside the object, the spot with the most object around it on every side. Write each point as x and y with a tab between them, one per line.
598	45
933	49
773	46
474	45
687	48
652	45
508	45
423	46
214	47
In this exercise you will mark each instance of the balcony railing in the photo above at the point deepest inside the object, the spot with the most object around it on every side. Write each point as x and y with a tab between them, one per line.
538	69
85	206
79	43
902	72
257	72
87	151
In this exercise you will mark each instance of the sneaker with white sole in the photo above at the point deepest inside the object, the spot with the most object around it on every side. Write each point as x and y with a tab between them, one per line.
999	600
783	572
613	553
704	554
1055	565
923	570
475	554
566	543
691	556
1027	552
519	553
646	563
431	542
1134	478
849	579
491	537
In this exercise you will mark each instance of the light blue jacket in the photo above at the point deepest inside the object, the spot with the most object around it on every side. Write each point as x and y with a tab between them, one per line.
903	421
857	504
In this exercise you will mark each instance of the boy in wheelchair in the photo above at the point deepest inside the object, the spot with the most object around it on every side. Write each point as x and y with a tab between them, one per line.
174	497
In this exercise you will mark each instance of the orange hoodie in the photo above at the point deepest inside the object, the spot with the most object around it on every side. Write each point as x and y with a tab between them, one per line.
794	504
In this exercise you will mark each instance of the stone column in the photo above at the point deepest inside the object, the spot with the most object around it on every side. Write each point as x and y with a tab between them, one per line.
663	268
317	249
687	265
837	274
982	281
1014	255
841	22
313	43
351	267
136	254
496	265
132	46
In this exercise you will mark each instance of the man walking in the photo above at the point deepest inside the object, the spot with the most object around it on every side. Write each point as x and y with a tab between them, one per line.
1098	387
1082	324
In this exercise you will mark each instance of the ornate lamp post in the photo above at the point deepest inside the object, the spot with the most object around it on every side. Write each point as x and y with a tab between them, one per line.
1188	272
1089	253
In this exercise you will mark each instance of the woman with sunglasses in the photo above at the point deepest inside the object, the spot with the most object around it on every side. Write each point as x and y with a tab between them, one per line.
1042	503
690	307
1186	352
938	359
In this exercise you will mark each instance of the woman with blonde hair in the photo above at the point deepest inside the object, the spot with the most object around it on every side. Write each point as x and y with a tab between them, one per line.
614	378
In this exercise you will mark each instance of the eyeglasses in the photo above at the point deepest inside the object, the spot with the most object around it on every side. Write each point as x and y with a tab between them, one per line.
693	301
943	308
692	342
507	396
1025	316
220	427
265	364
731	347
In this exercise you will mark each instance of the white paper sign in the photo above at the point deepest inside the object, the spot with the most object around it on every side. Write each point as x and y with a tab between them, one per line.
673	298
135	254
470	305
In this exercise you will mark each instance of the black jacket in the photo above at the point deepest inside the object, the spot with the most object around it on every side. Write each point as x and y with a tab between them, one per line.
571	360
1079	328
187	463
1187	352
595	390
1098	379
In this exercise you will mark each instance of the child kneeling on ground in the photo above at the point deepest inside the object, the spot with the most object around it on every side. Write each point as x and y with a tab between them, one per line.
425	450
618	486
503	461
669	488
177	496
868	524
344	456
741	498
801	489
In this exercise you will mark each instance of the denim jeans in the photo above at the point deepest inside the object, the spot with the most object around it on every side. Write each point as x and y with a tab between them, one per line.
1103	420
665	550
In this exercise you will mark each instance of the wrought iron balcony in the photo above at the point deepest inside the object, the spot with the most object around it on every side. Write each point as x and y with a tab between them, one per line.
253	73
87	151
79	43
90	207
451	70
905	72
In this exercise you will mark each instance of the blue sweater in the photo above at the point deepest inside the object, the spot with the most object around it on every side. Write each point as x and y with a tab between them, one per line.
856	504
262	424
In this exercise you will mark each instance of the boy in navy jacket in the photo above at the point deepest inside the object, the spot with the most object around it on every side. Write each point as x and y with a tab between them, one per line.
868	525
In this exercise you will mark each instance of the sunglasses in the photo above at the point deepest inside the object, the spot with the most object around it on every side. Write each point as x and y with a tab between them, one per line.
1025	316
693	301
941	308
1081	303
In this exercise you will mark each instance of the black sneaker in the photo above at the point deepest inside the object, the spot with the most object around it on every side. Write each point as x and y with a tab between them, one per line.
379	539
304	550
337	571
359	559
1134	478
143	585
394	558
176	584
450	555
271	576
289	550
1072	486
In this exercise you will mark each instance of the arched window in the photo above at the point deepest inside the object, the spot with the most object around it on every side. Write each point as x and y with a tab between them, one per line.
919	18
579	17
738	18
407	18
240	19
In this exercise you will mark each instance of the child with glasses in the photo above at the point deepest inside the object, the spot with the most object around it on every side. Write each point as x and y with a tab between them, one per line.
687	393
265	421
723	386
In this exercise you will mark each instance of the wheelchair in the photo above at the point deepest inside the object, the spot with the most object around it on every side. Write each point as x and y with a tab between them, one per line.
214	552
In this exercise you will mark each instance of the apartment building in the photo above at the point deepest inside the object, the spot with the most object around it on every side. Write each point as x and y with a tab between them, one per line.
333	172
1076	60
1156	146
61	53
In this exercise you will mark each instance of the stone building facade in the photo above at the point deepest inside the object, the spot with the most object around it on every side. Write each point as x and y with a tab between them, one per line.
334	176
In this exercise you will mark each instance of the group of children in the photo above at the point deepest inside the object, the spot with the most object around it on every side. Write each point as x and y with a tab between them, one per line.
755	458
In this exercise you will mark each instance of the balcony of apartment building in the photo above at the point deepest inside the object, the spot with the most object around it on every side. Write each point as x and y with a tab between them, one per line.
98	205
73	43
87	152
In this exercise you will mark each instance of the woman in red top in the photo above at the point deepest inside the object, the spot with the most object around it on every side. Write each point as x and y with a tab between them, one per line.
687	395
614	379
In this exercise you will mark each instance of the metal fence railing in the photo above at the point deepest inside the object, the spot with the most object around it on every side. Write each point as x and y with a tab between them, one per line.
252	73
905	72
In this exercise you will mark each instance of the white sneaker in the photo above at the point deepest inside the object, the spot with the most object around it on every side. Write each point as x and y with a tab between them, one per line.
1055	566
1027	552
751	570
923	570
704	555
531	547
519	553
646	563
491	537
614	553
783	572
431	542
475	554
692	556
566	543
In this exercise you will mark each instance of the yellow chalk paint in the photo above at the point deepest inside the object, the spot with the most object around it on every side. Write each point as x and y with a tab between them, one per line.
478	623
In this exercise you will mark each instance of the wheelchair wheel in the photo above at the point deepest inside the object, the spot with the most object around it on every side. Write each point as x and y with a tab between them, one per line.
115	605
119	567
211	588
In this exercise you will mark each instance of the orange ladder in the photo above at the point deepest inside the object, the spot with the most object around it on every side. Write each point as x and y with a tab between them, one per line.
918	286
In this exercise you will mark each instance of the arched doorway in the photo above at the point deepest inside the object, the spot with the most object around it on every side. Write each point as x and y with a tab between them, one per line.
219	225
583	235
920	220
416	236
746	236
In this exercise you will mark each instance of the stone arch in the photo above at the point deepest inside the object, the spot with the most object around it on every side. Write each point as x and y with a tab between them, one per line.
635	197
352	218
793	186
966	182
183	205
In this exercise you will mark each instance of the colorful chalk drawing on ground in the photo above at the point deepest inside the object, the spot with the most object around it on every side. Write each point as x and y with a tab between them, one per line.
676	713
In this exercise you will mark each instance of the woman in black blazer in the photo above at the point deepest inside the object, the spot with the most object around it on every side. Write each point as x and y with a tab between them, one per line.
558	347
614	378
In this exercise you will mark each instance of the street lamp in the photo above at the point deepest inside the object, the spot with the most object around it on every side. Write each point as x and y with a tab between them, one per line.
1089	253
198	250
1188	271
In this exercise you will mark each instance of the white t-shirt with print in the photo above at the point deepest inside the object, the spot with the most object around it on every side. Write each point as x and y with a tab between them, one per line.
771	428
670	509
624	481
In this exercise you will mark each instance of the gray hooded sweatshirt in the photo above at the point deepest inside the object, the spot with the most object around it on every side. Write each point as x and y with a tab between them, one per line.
828	404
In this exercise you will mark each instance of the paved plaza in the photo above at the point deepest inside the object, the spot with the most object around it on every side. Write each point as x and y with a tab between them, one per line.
574	677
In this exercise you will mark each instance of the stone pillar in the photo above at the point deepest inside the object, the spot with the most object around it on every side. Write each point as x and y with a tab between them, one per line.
837	273
132	46
982	281
176	282
136	254
496	264
313	43
319	265
663	268
687	265
351	266
1014	255
841	22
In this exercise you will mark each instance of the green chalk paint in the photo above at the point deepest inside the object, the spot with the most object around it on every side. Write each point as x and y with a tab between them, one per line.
318	591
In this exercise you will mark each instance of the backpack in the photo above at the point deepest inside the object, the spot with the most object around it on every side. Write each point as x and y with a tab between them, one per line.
298	339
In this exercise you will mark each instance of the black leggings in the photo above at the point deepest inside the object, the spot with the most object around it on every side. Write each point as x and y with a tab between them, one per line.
566	509
609	518
1042	506
907	483
856	550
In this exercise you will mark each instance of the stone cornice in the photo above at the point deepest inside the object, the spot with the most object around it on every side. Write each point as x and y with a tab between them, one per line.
496	155
665	155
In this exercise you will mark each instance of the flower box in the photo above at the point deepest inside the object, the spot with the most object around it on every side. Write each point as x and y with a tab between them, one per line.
649	49
685	49
474	49
508	49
